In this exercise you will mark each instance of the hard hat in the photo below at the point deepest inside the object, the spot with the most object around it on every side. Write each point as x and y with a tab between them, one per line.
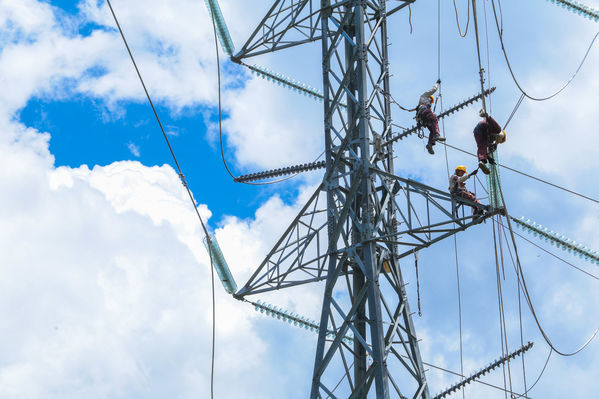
432	98
501	137
460	167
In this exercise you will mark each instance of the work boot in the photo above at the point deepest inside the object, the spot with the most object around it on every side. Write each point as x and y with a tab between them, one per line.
439	138
491	160
483	166
430	149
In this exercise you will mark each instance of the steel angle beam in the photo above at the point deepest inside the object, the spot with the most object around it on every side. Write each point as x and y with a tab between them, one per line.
288	23
298	256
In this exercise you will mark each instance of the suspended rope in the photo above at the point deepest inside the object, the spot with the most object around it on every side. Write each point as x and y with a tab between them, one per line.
481	71
492	202
524	288
455	242
502	325
392	100
527	391
410	17
457	18
417	282
507	61
519	306
488	57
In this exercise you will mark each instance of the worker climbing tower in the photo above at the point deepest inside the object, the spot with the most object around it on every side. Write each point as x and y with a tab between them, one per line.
373	217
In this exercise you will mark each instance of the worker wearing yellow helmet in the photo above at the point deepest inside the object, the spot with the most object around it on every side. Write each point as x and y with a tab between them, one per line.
426	117
457	186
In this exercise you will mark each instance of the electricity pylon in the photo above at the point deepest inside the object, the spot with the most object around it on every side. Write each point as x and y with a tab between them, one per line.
373	217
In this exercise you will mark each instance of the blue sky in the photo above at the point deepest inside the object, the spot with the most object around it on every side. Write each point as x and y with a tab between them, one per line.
85	131
105	289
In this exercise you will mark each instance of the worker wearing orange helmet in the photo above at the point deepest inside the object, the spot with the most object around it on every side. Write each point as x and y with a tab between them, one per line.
427	118
457	185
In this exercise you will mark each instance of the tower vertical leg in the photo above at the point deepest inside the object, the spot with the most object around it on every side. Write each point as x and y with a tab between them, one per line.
361	209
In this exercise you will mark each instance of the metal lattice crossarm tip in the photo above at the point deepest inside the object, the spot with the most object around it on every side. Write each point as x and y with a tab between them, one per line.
557	239
578	8
475	376
280	172
294	319
442	115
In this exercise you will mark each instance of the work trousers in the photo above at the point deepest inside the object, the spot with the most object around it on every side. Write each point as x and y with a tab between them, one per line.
428	119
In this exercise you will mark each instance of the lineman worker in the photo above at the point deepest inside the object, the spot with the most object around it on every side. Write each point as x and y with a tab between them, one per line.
427	118
485	134
457	186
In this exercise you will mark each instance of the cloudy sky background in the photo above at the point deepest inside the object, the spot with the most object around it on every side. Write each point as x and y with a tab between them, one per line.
105	284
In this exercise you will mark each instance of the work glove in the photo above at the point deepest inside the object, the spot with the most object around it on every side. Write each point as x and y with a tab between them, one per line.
438	81
483	114
475	172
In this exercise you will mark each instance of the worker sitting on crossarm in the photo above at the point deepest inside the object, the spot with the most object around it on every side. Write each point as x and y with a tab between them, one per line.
457	186
487	134
427	118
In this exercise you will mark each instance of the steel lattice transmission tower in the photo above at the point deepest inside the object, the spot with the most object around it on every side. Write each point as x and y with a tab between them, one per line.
367	344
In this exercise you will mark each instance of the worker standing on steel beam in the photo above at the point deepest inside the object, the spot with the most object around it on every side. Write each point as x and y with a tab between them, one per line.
487	134
457	186
426	117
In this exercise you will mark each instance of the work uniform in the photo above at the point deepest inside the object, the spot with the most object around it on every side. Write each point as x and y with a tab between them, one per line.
457	186
484	134
426	116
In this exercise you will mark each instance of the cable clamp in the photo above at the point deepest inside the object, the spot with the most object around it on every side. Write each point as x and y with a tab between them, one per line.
182	178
